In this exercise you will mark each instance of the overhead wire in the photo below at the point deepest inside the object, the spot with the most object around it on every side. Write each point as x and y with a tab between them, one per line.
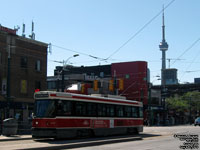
193	60
196	56
186	50
132	37
140	30
78	52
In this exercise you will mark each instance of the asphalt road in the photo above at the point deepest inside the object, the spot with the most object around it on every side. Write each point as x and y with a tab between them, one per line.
153	138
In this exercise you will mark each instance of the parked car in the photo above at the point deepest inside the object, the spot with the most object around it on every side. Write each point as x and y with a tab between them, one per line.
197	121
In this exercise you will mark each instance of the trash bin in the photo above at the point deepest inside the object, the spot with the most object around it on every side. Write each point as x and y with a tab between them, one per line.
9	127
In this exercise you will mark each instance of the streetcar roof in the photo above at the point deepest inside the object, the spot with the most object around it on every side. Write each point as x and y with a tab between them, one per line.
97	99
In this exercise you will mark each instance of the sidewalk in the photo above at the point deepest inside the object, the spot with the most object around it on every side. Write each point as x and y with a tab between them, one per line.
15	137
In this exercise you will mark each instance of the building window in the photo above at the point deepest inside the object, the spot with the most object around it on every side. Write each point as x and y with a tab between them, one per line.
51	85
37	85
127	76
0	58
23	86
38	65
24	62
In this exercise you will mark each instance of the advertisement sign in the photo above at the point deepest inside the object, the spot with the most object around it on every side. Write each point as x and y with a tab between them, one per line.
101	123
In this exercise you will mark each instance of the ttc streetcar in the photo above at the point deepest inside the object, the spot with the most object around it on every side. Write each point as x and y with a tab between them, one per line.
68	115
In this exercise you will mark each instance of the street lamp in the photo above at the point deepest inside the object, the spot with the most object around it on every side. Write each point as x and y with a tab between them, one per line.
63	71
65	62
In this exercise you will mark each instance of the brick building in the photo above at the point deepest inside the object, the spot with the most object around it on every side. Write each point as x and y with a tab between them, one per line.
21	73
134	76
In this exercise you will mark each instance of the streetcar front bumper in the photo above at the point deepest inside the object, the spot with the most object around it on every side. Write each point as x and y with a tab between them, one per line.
44	133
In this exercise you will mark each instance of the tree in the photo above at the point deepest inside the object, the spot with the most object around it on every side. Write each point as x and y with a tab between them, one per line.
177	103
190	101
193	99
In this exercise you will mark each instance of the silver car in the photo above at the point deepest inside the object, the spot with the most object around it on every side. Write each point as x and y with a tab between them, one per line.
197	121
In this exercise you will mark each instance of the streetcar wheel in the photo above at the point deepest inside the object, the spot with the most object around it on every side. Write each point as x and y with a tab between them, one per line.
91	133
78	133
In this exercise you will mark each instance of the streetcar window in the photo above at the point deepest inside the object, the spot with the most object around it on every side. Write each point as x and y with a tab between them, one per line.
141	112
127	111
101	110
135	112
64	108
119	111
45	108
80	109
91	109
110	110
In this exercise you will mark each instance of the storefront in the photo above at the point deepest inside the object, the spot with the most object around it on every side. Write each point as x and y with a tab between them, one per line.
19	110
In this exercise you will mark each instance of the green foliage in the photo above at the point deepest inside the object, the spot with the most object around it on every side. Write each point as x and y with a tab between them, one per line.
182	103
177	104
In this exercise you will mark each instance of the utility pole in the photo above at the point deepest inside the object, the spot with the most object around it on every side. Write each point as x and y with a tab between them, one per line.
10	44
8	83
190	118
115	83
63	79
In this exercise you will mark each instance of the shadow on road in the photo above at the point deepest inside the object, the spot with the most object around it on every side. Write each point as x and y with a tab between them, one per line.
88	142
145	135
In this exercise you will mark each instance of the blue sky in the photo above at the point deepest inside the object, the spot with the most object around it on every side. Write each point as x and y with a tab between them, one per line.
100	27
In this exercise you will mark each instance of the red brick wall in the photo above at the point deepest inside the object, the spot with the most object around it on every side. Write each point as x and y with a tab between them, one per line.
34	51
135	79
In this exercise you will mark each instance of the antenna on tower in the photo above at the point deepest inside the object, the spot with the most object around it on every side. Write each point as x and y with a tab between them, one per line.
50	48
32	36
175	59
16	28
23	30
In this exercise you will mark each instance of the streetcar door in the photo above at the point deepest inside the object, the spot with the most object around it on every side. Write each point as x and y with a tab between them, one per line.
111	123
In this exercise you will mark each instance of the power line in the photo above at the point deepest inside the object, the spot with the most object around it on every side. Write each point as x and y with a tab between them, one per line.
193	61
67	49
196	56
189	71
140	30
190	47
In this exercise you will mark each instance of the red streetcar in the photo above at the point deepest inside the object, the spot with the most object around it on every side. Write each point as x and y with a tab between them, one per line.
67	115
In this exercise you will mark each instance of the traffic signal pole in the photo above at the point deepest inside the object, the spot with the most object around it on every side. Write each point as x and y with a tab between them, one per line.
63	79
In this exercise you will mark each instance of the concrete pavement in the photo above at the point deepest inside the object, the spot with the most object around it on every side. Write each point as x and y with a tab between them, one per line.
15	137
147	130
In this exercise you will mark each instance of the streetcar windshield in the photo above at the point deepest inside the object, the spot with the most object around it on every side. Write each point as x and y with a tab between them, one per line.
45	108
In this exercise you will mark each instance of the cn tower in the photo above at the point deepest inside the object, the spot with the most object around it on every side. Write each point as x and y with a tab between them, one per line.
163	47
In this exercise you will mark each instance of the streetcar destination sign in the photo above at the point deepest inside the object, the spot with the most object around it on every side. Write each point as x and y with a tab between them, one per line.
41	95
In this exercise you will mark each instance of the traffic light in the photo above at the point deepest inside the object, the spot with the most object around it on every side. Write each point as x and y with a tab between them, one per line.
37	90
111	85
95	86
82	88
121	84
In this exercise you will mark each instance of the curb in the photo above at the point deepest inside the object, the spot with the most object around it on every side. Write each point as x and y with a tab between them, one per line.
17	138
